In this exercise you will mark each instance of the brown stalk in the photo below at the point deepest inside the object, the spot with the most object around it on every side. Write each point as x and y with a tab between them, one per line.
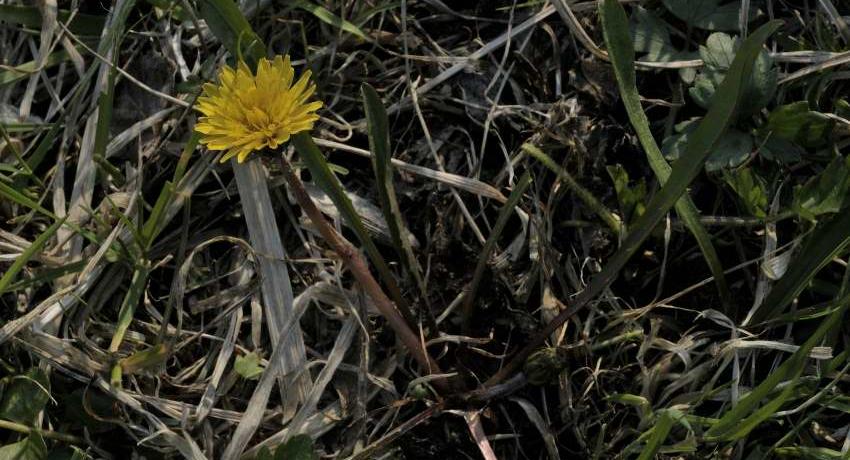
352	258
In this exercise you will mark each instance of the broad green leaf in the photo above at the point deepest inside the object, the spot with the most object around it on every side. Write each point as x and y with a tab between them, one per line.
718	53
248	366
650	35
732	150
299	447
91	409
232	29
825	193
796	123
30	16
25	396
707	14
264	454
777	149
750	188
30	448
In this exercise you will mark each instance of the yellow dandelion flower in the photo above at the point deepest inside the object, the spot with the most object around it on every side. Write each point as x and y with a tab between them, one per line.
247	112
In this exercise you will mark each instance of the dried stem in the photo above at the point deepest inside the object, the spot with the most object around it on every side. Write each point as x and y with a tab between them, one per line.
352	258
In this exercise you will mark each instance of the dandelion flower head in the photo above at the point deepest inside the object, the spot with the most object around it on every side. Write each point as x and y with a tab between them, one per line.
247	112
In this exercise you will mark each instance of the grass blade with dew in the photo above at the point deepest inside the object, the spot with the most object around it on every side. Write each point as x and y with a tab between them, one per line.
615	28
702	141
377	124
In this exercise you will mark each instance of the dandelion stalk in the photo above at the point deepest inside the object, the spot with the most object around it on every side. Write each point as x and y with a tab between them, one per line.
352	258
246	113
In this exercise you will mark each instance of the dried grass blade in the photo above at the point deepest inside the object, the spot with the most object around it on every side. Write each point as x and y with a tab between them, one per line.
251	180
255	411
452	180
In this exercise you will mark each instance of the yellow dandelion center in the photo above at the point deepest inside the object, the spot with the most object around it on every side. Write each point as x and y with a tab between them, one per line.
247	112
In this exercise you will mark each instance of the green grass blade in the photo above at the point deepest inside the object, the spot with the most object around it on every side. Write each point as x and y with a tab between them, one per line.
24	70
153	225
379	143
615	27
128	305
325	178
323	14
582	193
44	145
30	16
28	254
490	245
741	419
48	275
229	25
13	195
660	431
826	242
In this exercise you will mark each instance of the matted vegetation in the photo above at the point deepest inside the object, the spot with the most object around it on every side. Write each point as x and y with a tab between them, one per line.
546	229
